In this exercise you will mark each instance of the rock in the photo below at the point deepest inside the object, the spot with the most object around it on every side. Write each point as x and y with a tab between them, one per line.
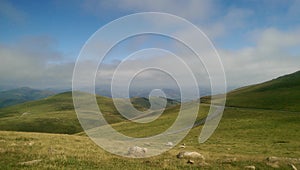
273	159
293	167
273	164
229	160
190	161
25	113
137	151
30	162
181	146
169	144
251	167
190	155
29	143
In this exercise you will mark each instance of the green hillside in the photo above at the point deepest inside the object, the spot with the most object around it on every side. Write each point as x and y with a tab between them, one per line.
282	93
245	136
56	114
242	139
21	95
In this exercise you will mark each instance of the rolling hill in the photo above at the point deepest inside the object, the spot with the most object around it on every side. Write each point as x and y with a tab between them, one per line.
282	93
245	136
21	95
56	114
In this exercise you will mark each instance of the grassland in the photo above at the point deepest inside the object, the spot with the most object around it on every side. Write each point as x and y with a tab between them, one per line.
244	137
56	114
260	121
282	93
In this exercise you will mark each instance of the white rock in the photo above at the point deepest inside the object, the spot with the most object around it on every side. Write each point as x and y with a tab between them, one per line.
251	167
169	144
30	162
137	151
181	146
190	155
190	161
293	167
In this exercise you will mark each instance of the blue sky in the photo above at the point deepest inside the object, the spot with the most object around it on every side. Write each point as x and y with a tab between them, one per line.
40	40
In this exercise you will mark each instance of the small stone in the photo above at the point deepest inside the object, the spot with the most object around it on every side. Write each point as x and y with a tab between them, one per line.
169	144
190	161
251	167
273	164
30	162
190	155
181	146
137	151
293	167
229	160
272	159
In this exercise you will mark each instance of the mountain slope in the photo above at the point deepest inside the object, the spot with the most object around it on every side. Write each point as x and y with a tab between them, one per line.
56	114
282	93
21	95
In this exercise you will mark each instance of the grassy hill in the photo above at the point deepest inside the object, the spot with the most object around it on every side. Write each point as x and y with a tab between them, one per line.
244	137
56	114
282	93
21	95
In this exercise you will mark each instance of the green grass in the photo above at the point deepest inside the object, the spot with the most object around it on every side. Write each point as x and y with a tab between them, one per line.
247	135
282	93
56	114
264	122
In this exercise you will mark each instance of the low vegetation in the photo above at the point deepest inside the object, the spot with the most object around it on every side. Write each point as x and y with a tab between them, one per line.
256	131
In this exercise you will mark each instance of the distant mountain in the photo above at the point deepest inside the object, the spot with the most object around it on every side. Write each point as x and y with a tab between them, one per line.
170	93
21	95
282	93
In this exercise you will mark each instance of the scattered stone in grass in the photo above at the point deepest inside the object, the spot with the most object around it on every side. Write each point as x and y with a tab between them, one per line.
229	160
190	161
273	159
293	167
190	155
137	151
29	143
250	167
30	162
273	164
25	113
169	144
181	146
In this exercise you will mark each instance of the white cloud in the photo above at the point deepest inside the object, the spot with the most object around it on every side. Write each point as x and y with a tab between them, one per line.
33	62
276	53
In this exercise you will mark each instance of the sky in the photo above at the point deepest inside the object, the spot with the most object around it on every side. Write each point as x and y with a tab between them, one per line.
257	40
